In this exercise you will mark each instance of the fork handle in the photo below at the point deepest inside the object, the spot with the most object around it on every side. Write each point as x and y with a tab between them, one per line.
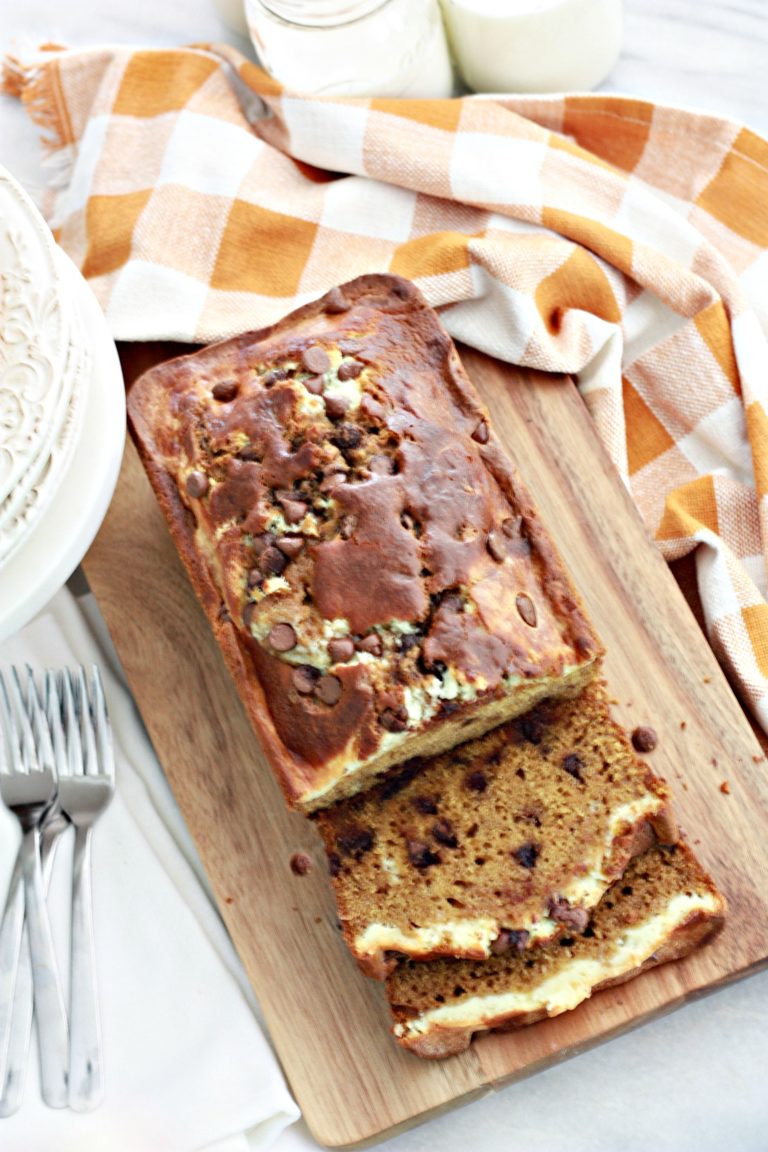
52	1032
20	1022
11	931
86	1074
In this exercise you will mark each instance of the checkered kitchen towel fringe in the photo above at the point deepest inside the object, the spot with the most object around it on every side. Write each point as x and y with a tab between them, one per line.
620	241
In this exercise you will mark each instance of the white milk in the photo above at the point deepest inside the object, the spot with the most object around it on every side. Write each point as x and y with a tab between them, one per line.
353	47
534	45
233	15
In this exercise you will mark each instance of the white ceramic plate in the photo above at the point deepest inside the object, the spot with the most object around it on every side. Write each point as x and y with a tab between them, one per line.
64	532
35	345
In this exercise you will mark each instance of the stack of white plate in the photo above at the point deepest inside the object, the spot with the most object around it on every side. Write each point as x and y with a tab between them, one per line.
62	412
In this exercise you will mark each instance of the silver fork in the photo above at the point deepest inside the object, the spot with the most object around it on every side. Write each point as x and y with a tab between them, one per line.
28	788
86	786
16	998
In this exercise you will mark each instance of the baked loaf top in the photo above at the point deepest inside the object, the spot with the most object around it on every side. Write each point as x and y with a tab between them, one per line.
370	561
664	906
502	843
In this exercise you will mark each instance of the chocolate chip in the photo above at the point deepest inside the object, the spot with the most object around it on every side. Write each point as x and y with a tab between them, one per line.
391	954
495	547
526	609
335	301
426	804
532	729
328	689
290	546
407	641
301	864
573	765
282	638
476	781
314	384
350	370
526	855
248	612
255	578
336	407
509	940
315	360
225	390
420	854
394	719
394	783
197	485
480	433
341	650
511	526
381	465
346	437
261	542
443	832
273	376
304	678
644	738
354	840
334	864
346	527
572	917
294	511
371	644
272	562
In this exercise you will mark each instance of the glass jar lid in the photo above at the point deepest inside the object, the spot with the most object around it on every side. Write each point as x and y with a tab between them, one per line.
321	13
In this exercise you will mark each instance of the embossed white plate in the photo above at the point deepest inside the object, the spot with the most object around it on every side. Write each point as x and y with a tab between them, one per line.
35	344
28	499
62	535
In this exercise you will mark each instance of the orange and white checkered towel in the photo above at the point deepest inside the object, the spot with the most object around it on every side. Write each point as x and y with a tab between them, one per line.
614	239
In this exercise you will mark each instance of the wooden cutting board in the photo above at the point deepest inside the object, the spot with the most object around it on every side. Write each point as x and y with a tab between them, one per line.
330	1024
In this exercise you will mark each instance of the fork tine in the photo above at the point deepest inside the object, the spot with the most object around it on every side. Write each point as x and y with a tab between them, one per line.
55	727
26	741
9	739
83	706
74	758
39	724
106	752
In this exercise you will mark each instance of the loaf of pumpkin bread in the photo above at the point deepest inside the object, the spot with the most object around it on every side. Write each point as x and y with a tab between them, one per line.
371	563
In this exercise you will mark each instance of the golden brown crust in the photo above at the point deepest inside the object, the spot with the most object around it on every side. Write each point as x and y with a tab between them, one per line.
237	458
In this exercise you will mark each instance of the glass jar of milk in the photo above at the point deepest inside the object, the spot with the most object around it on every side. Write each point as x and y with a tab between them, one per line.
534	45
353	47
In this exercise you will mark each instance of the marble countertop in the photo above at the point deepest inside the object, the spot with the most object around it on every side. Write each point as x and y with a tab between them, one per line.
696	1078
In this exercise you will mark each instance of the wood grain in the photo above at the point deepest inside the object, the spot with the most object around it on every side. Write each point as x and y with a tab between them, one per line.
328	1023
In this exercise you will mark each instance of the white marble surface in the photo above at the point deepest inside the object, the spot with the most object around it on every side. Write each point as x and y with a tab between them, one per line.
697	1078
